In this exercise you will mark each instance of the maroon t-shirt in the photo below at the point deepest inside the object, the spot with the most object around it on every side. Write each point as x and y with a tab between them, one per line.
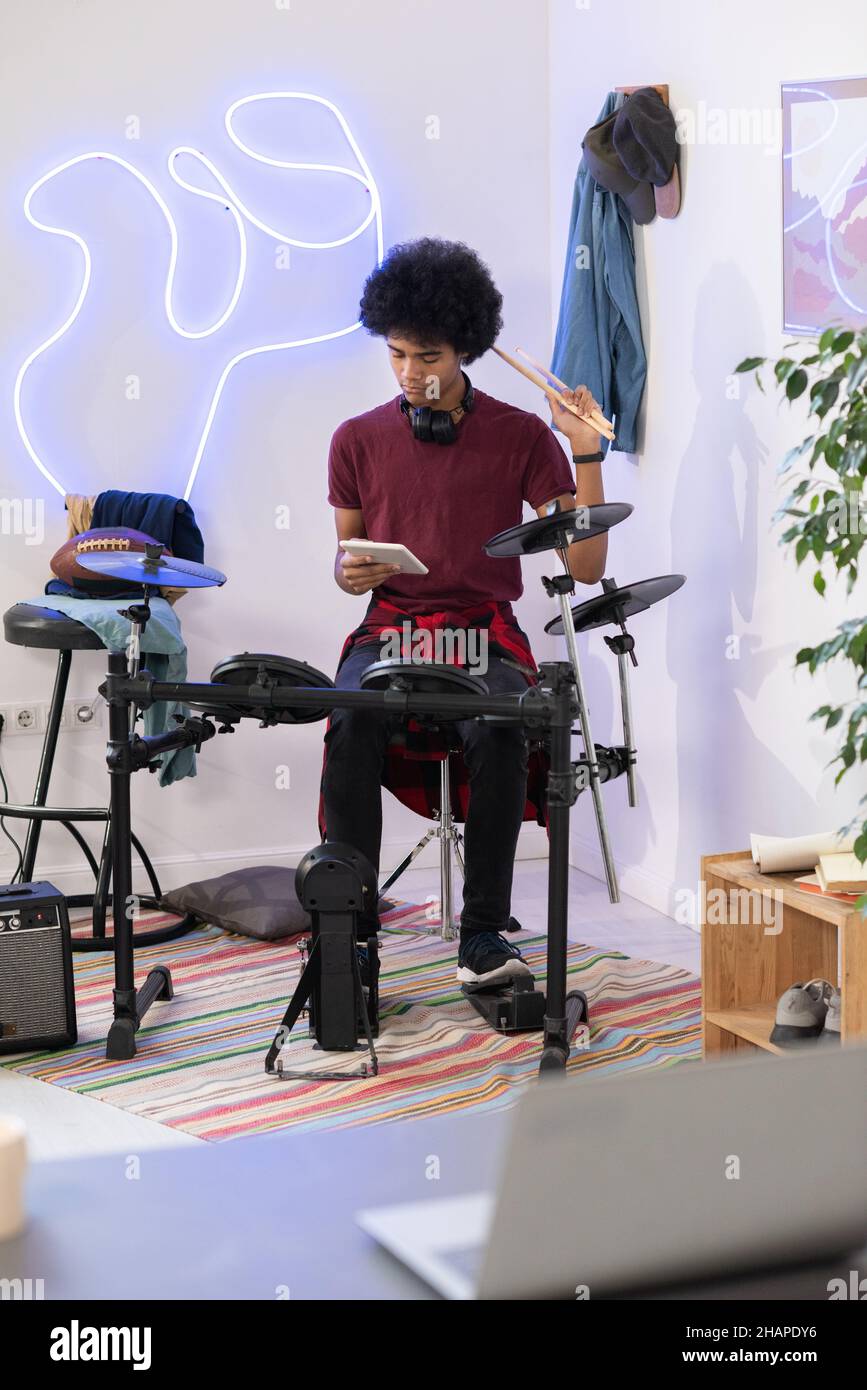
444	502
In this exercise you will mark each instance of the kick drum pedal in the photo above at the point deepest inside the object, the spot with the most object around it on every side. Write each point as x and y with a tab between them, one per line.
516	1006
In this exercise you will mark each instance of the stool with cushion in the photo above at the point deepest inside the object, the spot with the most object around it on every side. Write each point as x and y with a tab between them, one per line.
31	625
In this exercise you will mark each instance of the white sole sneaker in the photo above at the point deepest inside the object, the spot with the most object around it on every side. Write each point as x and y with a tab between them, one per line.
512	969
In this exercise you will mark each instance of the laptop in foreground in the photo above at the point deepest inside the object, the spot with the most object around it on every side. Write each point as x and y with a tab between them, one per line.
699	1170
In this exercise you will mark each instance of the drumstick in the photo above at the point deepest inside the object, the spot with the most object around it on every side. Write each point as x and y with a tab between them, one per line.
552	394
554	380
595	418
538	381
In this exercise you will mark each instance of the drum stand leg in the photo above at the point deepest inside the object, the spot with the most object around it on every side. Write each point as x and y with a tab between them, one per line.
564	585
623	646
130	1004
563	1012
626	714
520	1007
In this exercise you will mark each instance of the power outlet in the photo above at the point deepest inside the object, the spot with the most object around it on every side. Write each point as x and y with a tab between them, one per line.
31	717
26	717
81	714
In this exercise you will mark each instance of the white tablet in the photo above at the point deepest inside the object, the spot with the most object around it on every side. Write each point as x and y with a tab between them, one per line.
387	553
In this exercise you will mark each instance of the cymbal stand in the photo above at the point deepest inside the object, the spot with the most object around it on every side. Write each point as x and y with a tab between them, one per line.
138	615
623	647
563	585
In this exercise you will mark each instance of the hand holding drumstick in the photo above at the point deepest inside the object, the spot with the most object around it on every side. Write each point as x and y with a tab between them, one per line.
583	433
564	402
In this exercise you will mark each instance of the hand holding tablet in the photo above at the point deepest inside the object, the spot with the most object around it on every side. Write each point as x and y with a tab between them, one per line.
386	553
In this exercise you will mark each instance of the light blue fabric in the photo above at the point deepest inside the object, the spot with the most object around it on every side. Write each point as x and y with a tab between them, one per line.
598	342
166	660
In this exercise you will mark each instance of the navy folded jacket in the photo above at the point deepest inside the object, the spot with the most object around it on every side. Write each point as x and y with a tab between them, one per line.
169	520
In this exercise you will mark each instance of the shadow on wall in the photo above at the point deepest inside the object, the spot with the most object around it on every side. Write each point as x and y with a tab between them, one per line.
728	781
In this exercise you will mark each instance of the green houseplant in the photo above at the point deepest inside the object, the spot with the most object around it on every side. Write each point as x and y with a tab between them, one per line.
827	517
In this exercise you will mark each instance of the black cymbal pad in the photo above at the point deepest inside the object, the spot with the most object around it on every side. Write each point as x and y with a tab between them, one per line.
559	530
619	604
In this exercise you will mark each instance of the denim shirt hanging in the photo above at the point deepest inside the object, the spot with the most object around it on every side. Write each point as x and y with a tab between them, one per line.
598	342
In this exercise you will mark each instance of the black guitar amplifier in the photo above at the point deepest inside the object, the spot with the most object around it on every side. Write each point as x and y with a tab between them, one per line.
37	996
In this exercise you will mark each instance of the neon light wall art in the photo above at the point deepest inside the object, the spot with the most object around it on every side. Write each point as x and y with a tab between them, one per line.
242	216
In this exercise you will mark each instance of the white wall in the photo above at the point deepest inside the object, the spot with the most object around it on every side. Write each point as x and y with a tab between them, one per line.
73	75
725	745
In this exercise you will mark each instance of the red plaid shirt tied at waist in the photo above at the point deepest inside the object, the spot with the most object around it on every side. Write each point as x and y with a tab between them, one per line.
411	768
493	622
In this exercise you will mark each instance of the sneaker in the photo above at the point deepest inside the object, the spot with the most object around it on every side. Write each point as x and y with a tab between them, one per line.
831	1033
486	959
801	1012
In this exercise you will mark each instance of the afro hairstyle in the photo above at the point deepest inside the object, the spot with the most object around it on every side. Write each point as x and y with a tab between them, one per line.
432	290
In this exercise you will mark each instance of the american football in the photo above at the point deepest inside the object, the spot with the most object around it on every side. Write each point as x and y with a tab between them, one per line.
107	539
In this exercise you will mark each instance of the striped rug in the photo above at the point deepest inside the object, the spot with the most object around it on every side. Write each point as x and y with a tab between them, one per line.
200	1060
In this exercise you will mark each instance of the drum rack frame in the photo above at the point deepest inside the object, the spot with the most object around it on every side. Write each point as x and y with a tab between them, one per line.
551	705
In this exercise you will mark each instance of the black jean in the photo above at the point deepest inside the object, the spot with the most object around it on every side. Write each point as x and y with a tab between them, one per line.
496	758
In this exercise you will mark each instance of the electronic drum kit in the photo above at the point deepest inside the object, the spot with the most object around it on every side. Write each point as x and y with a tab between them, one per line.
332	882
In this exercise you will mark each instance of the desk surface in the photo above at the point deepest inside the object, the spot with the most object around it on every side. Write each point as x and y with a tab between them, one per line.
243	1219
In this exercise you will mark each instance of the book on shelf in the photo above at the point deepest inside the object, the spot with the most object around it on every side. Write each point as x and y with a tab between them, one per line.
842	873
810	884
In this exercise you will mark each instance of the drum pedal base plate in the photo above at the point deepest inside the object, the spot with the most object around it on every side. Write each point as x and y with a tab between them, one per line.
520	1008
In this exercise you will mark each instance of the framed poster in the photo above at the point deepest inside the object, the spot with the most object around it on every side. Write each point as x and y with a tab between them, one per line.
824	204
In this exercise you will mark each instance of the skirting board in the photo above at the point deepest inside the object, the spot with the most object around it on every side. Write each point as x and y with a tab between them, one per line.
636	882
173	871
646	886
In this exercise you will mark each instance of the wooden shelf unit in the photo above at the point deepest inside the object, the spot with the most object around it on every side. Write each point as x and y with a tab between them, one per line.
760	933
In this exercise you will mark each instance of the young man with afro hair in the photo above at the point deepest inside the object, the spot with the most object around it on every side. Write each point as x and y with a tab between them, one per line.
437	308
